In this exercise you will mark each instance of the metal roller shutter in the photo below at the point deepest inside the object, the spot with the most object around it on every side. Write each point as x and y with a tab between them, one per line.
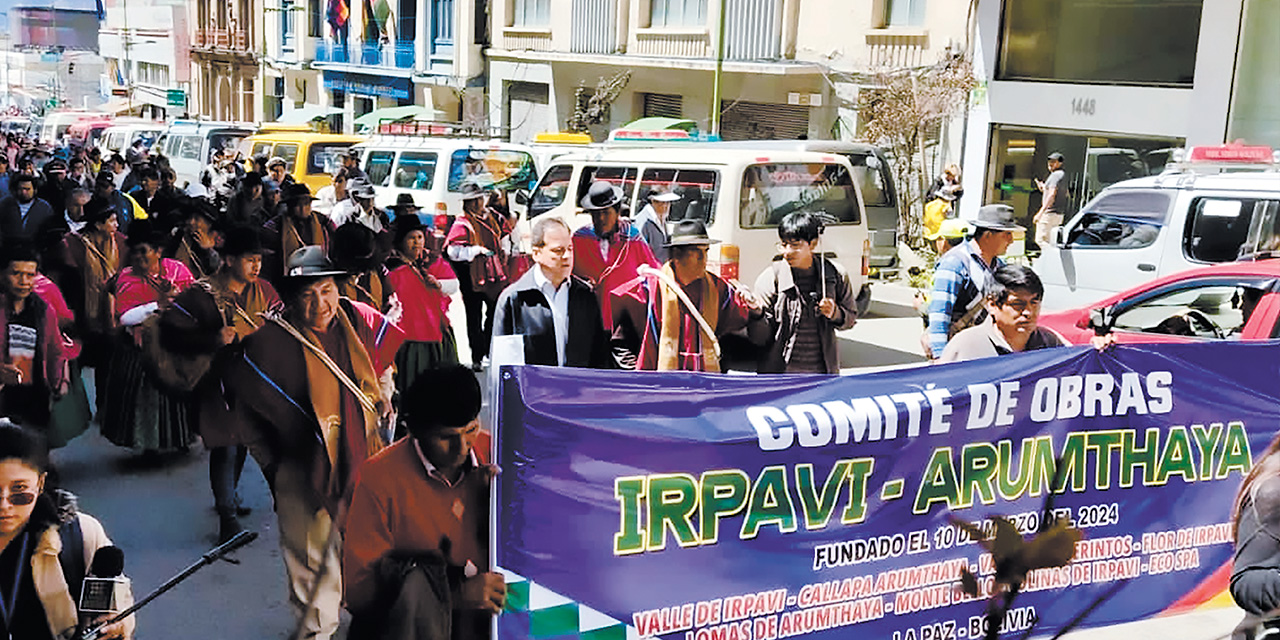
762	121
663	105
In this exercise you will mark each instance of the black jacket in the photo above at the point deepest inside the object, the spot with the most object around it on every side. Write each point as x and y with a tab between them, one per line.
12	224
523	310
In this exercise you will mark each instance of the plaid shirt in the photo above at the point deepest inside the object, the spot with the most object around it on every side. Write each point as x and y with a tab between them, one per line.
955	287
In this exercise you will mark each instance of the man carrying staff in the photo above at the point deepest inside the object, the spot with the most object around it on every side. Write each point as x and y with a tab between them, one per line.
672	320
314	387
244	299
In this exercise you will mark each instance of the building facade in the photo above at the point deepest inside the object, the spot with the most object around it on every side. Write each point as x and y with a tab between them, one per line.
1114	86
226	42
145	45
790	67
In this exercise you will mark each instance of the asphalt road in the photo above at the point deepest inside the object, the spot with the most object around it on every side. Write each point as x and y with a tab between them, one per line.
162	516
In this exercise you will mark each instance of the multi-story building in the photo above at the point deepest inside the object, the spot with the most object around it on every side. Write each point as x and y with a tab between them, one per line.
1114	86
790	67
226	43
372	54
145	45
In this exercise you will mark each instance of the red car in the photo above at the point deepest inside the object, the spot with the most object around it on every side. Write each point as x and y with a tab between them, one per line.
1231	301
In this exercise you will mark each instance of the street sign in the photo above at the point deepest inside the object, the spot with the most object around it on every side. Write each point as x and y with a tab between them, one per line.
177	98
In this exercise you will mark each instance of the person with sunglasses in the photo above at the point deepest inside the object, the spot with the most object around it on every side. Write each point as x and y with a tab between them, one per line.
36	522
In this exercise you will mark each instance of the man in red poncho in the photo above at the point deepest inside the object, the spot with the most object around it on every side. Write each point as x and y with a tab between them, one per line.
610	251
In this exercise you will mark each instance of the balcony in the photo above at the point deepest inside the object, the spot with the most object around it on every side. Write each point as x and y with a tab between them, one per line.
221	40
391	55
896	50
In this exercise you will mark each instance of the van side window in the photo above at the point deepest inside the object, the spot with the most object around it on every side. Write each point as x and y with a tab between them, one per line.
378	167
290	154
696	188
1124	219
190	147
1218	227
624	177
551	190
416	170
771	191
871	180
325	158
258	148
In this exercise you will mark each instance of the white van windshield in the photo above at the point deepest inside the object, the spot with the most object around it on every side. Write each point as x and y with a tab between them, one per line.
491	168
771	191
551	191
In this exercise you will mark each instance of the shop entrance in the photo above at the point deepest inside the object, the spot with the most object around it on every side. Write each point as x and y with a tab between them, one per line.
1093	161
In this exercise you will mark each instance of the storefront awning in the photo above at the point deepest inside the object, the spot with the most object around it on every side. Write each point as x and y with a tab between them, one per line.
391	114
307	113
119	105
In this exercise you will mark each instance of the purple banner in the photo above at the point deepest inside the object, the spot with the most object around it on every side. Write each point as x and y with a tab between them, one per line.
712	507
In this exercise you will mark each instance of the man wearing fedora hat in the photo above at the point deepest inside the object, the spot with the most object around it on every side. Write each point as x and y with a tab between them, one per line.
193	242
355	250
294	228
609	252
963	274
313	388
672	319
475	247
652	222
242	298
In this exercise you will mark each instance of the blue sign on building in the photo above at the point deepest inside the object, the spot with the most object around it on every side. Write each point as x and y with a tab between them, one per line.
368	85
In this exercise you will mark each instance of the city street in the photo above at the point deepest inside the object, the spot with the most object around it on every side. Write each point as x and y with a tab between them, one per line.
163	518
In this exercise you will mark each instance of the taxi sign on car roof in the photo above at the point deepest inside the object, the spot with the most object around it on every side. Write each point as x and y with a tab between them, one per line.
1234	152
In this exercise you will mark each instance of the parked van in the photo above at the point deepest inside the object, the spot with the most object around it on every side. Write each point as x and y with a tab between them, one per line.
190	145
88	133
741	193
311	158
1216	208
434	169
874	176
121	135
55	124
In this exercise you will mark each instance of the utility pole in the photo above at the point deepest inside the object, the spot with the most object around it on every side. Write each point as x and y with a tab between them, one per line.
715	91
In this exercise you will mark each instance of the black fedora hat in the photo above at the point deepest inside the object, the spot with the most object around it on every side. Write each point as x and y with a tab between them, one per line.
144	231
192	324
691	232
241	240
601	195
403	225
296	191
997	217
354	248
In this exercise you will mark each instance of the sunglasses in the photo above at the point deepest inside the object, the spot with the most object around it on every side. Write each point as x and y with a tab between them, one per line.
20	499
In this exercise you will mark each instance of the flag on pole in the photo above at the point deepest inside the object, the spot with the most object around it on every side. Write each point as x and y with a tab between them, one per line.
338	14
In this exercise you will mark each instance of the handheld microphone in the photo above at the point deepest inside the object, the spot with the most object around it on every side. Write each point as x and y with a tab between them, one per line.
104	588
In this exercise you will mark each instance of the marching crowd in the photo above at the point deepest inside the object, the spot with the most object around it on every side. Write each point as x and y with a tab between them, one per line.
311	330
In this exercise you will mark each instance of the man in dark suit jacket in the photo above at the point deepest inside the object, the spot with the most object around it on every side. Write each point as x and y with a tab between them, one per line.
22	214
558	314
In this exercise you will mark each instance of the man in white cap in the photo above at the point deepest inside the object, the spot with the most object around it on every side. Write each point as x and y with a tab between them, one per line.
652	222
964	273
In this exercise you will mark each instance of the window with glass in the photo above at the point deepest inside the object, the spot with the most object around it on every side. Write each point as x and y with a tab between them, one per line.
378	167
290	154
677	13
1122	220
1218	228
905	13
771	191
259	148
696	188
871	176
531	13
551	190
189	147
325	158
624	177
1213	309
220	141
1103	41
504	169
416	170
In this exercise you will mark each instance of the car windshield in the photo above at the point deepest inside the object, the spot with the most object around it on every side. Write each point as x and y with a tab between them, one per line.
491	168
771	191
